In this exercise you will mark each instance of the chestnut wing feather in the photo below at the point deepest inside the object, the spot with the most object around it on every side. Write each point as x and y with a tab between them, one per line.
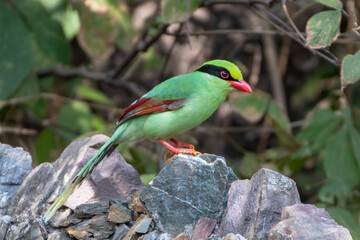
149	105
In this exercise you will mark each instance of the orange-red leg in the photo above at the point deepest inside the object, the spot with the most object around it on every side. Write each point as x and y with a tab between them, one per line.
181	144
177	150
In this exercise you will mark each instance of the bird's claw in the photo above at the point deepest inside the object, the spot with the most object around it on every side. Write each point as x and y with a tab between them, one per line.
181	144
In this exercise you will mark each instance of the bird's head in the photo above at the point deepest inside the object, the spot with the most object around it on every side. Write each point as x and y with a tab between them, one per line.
227	71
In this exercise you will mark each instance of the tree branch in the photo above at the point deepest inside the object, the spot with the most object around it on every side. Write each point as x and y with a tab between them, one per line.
66	72
140	46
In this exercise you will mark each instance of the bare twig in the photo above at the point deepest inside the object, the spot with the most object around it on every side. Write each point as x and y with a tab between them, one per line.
259	11
291	21
187	22
140	46
207	3
53	96
17	130
255	66
67	73
229	31
168	55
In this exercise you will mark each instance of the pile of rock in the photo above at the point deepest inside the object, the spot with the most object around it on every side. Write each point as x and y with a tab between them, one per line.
193	197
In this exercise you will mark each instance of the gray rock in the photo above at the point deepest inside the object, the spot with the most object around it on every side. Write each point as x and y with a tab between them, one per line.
155	235
305	221
60	217
188	188
5	222
37	231
112	179
15	165
59	235
120	232
18	231
143	226
91	209
231	236
255	205
100	227
119	214
80	230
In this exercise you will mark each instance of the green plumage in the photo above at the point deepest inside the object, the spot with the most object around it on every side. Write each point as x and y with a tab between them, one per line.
203	91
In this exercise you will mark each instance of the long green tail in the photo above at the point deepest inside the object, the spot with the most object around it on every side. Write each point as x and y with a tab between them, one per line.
103	152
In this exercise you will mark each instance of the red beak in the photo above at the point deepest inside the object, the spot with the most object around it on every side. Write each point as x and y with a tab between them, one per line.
241	85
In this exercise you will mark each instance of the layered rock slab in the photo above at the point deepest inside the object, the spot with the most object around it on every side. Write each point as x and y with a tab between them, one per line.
184	191
255	205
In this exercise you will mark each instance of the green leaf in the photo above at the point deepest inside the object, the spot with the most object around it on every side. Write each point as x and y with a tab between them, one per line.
337	4
298	158
282	127
319	129
176	10
322	29
334	192
92	94
147	178
355	143
48	32
30	88
75	118
345	218
350	70
69	20
98	32
16	51
44	145
252	107
339	162
250	164
278	116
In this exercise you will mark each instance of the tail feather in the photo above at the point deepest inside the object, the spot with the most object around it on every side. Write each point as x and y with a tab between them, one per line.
103	152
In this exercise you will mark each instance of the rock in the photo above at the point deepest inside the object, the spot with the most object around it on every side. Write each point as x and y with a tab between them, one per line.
120	232
15	165
37	230
59	235
72	220
18	231
231	236
204	228
182	236
255	205
78	233
131	234
305	221
91	209
155	235
119	214
5	222
136	204
188	188
112	179
100	227
60	217
143	226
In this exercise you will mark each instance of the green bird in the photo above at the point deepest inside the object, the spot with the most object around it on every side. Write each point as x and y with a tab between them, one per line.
169	109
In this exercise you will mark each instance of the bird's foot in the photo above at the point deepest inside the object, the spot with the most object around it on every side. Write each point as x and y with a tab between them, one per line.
181	144
178	149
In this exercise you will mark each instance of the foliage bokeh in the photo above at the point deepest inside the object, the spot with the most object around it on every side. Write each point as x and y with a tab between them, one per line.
69	68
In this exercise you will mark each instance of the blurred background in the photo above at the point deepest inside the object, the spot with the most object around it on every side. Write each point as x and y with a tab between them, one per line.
69	68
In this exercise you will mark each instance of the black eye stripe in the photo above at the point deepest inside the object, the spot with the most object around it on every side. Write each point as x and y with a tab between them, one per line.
215	71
